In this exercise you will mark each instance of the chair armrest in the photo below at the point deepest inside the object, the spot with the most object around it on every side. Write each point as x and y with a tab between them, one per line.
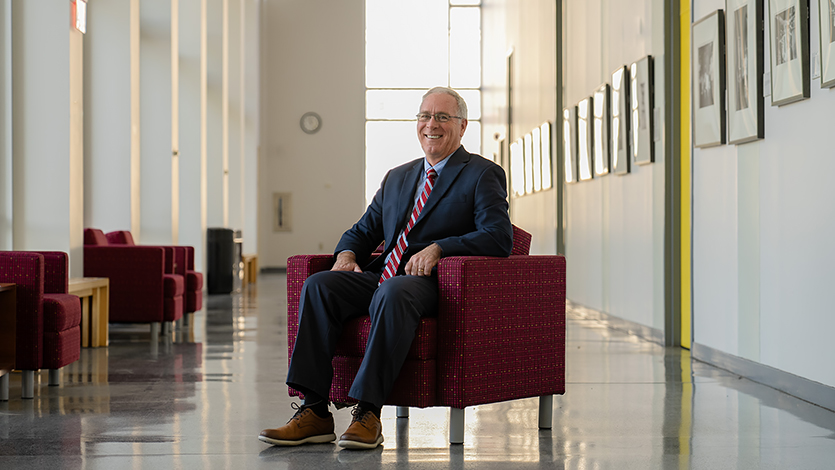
56	272
299	268
500	320
136	279
26	270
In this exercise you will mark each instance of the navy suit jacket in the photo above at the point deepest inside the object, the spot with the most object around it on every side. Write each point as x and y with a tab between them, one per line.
466	214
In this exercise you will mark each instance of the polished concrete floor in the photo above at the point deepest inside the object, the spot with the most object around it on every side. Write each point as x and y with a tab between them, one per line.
199	398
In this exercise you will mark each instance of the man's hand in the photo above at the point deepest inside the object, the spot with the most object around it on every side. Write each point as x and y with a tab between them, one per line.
421	263
346	261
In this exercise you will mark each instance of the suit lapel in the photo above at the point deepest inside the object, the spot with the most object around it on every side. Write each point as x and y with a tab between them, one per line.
453	167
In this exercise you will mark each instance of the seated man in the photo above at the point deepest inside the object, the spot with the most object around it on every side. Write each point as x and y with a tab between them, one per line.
450	202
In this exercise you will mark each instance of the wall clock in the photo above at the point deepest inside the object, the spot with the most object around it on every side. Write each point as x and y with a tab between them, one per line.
310	123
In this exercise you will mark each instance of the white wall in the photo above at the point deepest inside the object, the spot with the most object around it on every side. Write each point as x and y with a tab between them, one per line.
614	225
107	117
312	60
528	30
762	224
47	62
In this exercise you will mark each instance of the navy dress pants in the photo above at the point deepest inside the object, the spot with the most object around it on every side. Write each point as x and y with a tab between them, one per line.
329	299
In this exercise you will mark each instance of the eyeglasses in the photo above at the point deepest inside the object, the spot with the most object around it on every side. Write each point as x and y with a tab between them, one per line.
440	117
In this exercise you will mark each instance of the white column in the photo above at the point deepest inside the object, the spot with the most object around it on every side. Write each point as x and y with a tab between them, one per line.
234	91
192	30
215	121
110	132
47	130
159	185
251	121
6	177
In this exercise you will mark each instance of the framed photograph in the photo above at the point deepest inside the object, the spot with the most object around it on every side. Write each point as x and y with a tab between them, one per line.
708	67
569	142
527	141
619	122
745	62
602	137
827	36
517	168
789	23
584	140
536	151
545	135
641	100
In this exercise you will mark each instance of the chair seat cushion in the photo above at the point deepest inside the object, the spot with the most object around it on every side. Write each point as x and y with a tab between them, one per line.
173	285
355	337
60	312
194	281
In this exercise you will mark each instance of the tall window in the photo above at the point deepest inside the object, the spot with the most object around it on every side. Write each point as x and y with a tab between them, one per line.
411	46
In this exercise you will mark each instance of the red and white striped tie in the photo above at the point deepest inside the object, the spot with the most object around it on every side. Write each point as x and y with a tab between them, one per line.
397	253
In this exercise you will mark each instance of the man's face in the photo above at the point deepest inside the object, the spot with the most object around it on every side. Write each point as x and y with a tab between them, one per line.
439	139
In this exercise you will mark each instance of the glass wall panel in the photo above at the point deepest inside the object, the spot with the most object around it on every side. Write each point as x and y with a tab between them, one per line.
464	47
406	43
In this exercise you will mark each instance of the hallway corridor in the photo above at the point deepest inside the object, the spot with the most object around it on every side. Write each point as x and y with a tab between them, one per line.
198	401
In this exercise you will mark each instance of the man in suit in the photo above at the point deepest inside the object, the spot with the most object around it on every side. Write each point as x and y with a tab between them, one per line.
449	203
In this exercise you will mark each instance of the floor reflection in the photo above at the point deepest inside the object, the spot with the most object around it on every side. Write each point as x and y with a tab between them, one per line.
199	397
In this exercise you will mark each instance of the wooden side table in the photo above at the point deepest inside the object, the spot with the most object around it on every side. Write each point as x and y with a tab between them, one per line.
8	322
250	269
95	310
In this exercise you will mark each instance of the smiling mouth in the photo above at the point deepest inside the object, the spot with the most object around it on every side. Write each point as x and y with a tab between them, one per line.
432	137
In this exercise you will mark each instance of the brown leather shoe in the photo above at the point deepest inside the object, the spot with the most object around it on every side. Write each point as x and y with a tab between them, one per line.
365	431
305	427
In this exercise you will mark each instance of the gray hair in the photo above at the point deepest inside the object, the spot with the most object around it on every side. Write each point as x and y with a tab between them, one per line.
462	105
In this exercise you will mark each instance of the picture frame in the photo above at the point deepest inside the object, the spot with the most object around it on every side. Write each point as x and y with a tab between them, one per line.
619	122
826	10
584	140
569	140
517	168
745	63
601	105
527	141
536	152
545	136
708	69
641	109
789	46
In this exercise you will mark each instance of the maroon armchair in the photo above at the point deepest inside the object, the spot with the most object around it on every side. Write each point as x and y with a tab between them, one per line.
143	286
499	335
183	265
48	331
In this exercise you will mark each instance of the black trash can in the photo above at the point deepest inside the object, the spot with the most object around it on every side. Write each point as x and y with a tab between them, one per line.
221	260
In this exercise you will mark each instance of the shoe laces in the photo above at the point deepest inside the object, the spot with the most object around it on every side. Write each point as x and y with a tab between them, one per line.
299	410
360	414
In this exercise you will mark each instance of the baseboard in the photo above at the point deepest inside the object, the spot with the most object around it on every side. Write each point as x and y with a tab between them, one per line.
273	269
616	323
794	385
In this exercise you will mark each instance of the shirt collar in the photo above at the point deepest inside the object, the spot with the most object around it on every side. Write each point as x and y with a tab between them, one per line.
438	166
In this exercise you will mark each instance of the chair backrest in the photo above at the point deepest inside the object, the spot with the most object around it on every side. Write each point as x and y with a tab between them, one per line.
521	242
120	237
94	237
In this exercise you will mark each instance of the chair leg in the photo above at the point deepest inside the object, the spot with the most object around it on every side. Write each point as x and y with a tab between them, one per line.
166	328
54	377
4	387
546	411
456	425
155	332
27	384
402	411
